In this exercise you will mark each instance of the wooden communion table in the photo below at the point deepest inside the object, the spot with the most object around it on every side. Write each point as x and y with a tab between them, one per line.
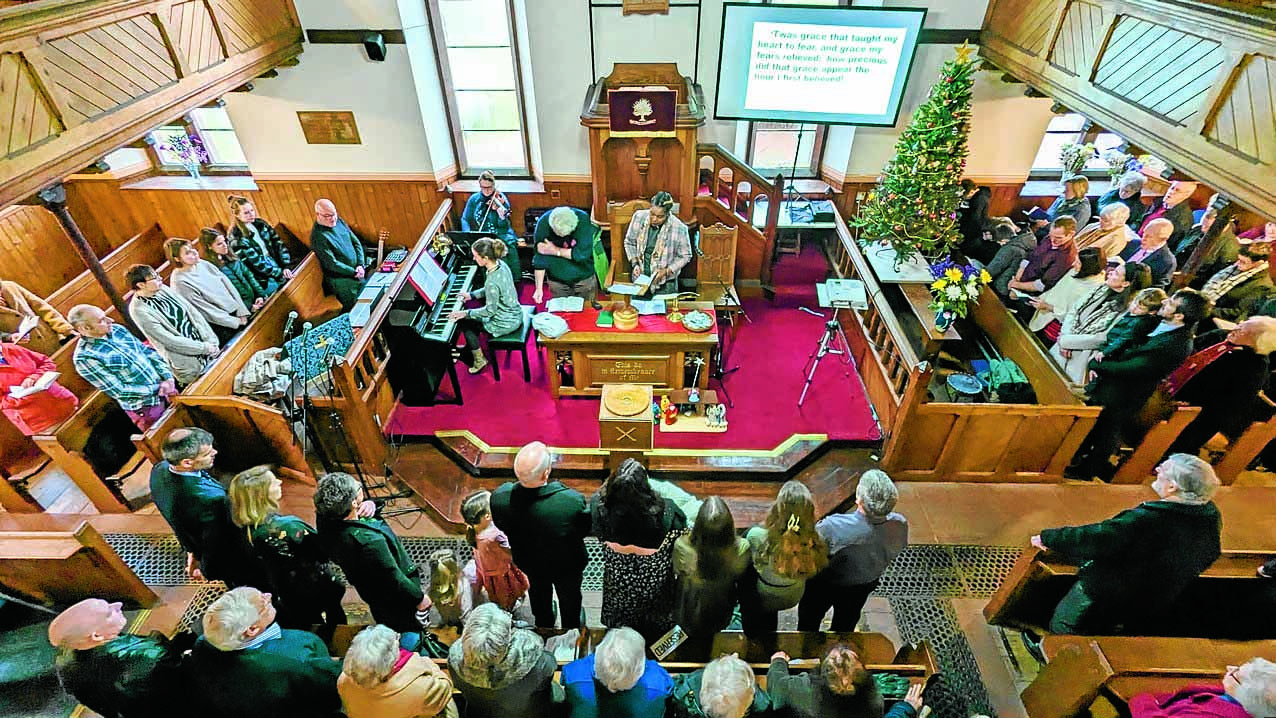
654	353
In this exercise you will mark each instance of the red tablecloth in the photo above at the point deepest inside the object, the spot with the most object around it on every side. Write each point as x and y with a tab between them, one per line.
585	321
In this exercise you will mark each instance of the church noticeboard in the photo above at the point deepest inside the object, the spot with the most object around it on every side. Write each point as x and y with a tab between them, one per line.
329	128
646	112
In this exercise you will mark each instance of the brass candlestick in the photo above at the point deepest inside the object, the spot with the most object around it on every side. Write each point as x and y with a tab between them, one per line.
675	316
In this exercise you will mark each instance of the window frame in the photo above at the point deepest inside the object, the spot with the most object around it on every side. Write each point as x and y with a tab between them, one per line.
817	151
1090	130
187	123
450	104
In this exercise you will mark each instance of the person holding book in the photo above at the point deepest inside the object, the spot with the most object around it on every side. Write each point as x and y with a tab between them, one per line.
657	245
31	396
27	319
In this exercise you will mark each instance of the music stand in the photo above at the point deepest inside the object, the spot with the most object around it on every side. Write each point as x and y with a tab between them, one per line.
832	341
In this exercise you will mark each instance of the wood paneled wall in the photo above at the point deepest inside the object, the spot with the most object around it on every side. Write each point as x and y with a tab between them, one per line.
105	210
35	252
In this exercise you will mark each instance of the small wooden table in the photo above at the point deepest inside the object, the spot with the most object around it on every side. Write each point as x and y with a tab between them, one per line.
637	356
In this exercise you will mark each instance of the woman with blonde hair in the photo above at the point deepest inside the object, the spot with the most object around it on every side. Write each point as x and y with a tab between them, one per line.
216	249
500	313
786	550
206	288
258	244
303	582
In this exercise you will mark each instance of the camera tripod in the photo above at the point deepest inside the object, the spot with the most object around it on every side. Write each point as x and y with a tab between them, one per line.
833	341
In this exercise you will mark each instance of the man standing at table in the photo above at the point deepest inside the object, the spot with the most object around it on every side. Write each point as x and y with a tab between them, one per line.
564	242
340	254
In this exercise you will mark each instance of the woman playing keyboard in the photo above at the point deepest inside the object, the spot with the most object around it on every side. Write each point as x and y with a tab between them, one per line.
500	314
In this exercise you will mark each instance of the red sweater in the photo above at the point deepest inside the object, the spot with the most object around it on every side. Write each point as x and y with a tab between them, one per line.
1191	702
38	412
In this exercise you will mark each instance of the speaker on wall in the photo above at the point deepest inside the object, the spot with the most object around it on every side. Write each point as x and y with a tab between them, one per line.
374	43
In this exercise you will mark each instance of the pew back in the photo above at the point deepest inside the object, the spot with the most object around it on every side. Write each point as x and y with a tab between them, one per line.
57	567
146	247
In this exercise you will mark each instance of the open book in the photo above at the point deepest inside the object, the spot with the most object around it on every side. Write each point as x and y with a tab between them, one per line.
1037	214
44	382
565	304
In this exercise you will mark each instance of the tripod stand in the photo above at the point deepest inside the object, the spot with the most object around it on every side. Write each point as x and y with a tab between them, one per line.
833	341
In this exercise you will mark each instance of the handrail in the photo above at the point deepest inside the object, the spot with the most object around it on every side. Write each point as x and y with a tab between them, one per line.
874	291
714	149
364	338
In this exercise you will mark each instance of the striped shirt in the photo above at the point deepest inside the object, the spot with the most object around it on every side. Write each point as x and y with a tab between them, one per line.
122	367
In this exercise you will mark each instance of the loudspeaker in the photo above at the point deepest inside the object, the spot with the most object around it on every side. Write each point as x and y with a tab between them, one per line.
374	43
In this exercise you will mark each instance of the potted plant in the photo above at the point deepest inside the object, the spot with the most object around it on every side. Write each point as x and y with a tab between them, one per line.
1074	157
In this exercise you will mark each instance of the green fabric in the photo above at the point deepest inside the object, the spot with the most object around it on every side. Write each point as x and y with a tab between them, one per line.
601	264
292	675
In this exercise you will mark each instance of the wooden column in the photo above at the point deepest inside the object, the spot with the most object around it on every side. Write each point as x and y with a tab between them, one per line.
53	198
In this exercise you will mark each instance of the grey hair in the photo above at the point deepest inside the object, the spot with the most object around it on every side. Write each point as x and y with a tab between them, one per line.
487	635
527	474
1133	179
82	314
563	221
372	656
726	690
184	443
620	659
229	616
1193	476
877	493
1265	333
333	495
1116	208
1257	693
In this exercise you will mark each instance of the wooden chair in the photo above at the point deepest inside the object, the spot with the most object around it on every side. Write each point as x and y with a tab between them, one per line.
515	341
619	216
715	267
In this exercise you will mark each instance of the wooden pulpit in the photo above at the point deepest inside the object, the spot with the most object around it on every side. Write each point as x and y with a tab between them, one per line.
632	164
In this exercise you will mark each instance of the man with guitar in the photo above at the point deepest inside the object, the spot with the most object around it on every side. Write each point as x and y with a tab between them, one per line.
488	210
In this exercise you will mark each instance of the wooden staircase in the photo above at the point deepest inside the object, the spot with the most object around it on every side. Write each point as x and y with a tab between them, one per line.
831	472
735	189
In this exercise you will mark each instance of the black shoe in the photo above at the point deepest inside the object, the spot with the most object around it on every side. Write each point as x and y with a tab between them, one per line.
1032	642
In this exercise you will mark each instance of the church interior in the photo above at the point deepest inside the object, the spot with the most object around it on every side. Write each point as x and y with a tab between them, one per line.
444	141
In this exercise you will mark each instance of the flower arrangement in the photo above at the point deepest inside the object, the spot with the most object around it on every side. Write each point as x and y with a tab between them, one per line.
1073	157
1118	163
1152	165
189	150
955	290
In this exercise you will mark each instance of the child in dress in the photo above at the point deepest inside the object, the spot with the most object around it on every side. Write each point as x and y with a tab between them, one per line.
451	593
504	582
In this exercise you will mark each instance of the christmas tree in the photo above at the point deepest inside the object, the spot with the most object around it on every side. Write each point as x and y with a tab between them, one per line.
914	206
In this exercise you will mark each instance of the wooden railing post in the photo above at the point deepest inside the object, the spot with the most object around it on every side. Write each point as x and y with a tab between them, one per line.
914	394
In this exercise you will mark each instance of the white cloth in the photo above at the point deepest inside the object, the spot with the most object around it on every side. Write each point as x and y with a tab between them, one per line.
1062	296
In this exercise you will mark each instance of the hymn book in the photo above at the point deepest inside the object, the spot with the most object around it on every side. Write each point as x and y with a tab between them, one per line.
44	382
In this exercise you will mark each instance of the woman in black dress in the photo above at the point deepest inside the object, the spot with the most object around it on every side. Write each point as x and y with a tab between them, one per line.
637	529
304	584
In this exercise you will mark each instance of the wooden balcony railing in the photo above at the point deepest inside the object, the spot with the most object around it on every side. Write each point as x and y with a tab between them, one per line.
735	185
1189	81
79	79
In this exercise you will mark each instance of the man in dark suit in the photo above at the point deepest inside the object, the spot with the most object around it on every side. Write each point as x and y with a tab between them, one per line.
1123	384
1136	563
1176	207
197	507
246	666
1223	377
369	553
546	523
339	253
1151	250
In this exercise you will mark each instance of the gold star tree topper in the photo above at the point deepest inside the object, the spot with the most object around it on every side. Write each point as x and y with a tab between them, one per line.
965	53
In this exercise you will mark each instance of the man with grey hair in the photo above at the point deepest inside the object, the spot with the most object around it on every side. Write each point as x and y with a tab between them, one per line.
377	680
546	524
1152	550
340	254
564	241
635	686
1109	233
1128	192
862	545
246	666
121	366
1151	250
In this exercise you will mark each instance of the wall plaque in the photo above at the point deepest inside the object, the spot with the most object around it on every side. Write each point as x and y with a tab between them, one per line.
643	7
329	128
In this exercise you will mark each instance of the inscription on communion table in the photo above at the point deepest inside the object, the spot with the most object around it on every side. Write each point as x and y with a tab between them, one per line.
630	370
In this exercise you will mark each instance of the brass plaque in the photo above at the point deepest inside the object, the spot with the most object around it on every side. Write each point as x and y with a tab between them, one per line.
629	370
329	128
642	7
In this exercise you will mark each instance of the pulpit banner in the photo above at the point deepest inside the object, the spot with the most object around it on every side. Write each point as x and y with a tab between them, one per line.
645	112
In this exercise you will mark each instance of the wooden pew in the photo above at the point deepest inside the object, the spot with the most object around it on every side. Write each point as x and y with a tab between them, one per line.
146	247
1081	669
258	433
57	567
364	398
1228	600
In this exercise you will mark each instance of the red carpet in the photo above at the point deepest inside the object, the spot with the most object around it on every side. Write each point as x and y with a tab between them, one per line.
771	353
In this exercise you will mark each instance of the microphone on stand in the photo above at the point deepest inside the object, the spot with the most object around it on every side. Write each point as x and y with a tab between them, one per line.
292	317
